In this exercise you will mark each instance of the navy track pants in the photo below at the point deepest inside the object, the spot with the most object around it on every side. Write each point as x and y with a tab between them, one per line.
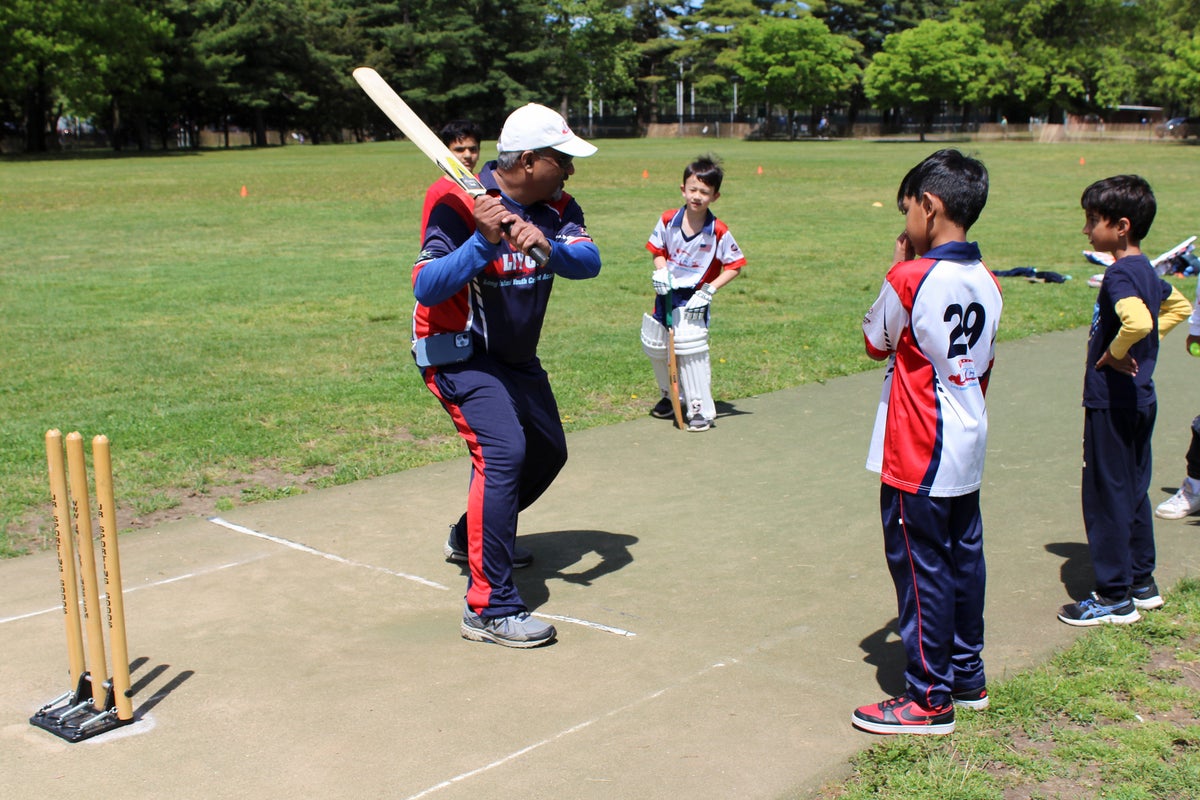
934	548
508	418
1115	493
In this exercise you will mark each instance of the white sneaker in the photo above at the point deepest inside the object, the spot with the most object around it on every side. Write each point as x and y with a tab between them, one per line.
1178	505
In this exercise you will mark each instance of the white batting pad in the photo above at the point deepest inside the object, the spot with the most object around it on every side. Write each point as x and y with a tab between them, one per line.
654	345
695	373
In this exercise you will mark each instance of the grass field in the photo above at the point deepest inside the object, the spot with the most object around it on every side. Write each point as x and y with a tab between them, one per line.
237	348
1113	716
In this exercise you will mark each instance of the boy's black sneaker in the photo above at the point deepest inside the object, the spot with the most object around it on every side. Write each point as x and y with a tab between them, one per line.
1146	598
663	409
903	715
1097	610
976	700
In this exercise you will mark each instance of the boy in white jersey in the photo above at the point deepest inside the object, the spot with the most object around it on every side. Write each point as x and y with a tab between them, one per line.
935	321
694	256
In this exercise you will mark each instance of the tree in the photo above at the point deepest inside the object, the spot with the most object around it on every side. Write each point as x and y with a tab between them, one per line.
123	85
934	63
596	55
712	35
58	55
1181	75
869	22
796	63
1079	55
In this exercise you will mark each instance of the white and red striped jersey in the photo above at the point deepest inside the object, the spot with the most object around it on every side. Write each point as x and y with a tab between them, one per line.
936	317
697	259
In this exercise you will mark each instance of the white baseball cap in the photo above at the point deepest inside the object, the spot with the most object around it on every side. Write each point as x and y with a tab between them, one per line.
534	126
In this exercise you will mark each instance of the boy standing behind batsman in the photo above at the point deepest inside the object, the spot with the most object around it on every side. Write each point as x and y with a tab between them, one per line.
1134	309
694	256
936	320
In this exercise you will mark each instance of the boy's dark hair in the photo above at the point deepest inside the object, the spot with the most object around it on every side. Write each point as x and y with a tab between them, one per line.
707	170
1126	196
959	181
457	129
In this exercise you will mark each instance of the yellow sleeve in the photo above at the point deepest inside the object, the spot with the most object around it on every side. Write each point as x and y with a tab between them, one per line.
1136	324
1174	310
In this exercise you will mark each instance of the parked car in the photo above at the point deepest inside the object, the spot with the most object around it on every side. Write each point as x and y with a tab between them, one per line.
1180	127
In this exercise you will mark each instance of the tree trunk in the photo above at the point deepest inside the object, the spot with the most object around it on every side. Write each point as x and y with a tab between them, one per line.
260	128
36	108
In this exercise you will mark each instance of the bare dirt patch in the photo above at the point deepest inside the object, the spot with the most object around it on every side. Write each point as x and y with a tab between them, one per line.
36	532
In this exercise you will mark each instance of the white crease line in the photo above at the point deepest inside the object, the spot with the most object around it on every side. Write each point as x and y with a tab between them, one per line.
586	624
303	548
163	582
561	734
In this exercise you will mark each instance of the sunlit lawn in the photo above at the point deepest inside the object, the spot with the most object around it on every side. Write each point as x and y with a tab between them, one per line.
213	336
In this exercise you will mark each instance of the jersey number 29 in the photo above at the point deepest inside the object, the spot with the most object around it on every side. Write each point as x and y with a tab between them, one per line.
968	325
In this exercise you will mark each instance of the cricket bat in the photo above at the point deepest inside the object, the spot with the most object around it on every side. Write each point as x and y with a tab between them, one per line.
426	140
673	369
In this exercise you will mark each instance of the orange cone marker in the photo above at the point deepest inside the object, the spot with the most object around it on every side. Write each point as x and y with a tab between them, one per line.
244	192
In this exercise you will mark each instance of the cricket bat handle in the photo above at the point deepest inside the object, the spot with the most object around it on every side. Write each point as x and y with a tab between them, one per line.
539	256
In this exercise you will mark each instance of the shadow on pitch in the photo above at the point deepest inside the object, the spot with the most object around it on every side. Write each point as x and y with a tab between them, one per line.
729	410
885	651
579	557
150	677
1076	570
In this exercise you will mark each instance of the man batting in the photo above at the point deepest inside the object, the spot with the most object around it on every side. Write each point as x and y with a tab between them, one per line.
481	298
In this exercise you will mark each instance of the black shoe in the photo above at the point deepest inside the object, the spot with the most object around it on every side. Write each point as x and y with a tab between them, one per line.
663	409
522	557
1097	610
1146	598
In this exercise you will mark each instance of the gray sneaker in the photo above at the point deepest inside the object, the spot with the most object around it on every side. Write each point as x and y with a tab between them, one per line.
515	630
522	556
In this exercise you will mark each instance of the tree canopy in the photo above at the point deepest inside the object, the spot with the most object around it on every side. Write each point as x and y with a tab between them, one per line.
143	69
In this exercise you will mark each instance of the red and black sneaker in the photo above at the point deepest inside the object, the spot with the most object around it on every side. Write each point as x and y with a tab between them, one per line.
904	715
976	699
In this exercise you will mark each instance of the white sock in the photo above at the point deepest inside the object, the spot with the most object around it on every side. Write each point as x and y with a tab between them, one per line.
1192	485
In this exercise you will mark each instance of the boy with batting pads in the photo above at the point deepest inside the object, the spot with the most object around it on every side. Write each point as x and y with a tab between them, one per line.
481	299
1134	309
694	256
935	321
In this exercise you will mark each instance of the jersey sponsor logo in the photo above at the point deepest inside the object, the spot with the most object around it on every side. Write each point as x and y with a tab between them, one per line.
522	280
966	375
513	262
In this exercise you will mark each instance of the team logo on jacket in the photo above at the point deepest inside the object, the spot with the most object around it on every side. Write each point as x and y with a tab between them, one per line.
966	374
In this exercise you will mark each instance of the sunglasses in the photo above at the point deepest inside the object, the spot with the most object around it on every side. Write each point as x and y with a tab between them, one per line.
563	160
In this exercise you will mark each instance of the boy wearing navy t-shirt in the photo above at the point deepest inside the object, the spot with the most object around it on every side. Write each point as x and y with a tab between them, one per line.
1134	309
935	320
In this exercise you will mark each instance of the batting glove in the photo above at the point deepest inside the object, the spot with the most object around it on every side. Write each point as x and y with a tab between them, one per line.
662	281
698	305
